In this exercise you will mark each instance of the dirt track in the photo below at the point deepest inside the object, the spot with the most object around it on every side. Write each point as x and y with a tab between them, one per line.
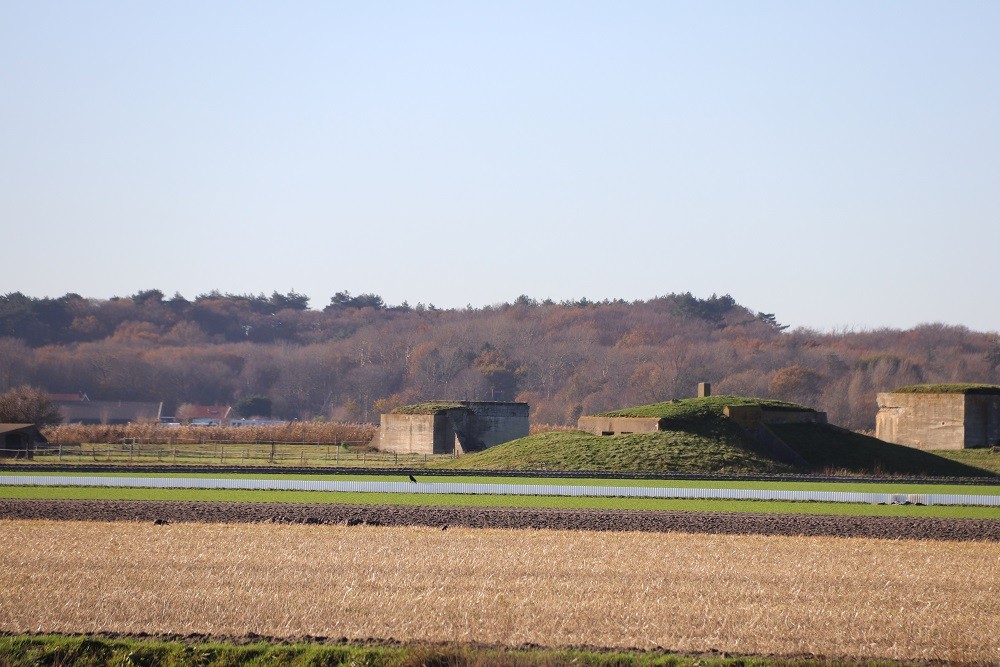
475	517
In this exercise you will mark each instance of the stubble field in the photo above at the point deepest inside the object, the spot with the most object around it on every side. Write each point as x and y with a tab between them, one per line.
849	597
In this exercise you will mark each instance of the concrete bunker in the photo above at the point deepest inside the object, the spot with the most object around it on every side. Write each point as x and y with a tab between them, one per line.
959	416
754	419
451	427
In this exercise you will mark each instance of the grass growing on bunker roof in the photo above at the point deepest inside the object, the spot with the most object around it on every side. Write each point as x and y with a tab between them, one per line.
427	408
955	388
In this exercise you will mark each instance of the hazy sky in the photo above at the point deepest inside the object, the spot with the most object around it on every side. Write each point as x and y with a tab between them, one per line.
836	163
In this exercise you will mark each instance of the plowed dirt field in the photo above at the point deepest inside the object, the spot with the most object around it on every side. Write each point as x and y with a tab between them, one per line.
475	517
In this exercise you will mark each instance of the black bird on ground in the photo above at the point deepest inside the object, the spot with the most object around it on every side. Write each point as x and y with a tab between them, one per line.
413	479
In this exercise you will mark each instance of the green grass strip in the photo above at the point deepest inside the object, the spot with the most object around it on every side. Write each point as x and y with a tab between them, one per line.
86	651
419	499
859	487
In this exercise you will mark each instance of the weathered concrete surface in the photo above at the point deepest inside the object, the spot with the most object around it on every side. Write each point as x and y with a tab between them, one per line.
938	421
618	425
982	420
749	416
474	426
498	422
407	434
754	420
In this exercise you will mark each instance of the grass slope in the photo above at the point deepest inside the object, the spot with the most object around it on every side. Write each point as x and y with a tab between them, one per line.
702	447
985	457
831	449
700	439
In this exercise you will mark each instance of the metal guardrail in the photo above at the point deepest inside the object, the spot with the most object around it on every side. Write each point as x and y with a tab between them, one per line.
501	489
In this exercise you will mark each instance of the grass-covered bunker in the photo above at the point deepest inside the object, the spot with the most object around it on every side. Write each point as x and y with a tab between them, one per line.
754	417
940	416
446	427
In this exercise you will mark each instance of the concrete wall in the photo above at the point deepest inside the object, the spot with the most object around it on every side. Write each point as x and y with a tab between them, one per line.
924	421
749	416
407	434
498	423
772	417
618	425
938	421
473	427
982	420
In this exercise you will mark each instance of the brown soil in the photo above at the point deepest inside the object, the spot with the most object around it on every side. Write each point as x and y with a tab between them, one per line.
477	517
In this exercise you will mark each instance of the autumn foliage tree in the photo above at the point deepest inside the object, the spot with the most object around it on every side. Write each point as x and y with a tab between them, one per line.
28	405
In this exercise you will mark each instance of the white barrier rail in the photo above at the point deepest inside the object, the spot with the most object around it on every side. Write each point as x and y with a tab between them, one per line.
500	489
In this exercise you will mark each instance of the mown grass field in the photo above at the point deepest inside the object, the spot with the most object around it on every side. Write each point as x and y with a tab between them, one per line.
834	597
446	500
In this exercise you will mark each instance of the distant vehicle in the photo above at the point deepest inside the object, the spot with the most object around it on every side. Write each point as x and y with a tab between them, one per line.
204	421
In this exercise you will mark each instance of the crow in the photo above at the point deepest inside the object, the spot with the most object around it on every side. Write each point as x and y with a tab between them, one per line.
413	479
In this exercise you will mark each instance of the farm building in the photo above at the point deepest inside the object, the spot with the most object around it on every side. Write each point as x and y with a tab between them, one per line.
204	415
956	416
18	440
446	427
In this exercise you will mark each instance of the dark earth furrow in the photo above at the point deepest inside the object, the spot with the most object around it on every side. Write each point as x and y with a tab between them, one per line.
731	523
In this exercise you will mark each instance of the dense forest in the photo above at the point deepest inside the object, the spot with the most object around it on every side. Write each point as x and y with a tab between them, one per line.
358	356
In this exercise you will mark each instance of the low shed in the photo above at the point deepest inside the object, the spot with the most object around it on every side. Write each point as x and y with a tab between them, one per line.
18	440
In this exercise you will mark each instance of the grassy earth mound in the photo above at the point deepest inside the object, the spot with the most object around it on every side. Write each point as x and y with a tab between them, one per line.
666	451
698	438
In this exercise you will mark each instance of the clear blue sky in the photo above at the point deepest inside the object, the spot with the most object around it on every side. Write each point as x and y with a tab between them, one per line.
836	163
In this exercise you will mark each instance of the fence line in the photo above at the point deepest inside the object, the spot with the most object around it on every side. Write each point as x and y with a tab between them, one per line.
503	489
219	451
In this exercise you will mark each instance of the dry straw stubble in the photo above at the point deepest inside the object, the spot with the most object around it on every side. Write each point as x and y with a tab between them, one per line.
829	596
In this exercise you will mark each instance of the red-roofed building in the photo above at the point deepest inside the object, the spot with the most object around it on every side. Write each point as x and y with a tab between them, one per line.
204	415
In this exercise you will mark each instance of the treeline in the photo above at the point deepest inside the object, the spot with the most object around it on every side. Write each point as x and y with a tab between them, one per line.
359	356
